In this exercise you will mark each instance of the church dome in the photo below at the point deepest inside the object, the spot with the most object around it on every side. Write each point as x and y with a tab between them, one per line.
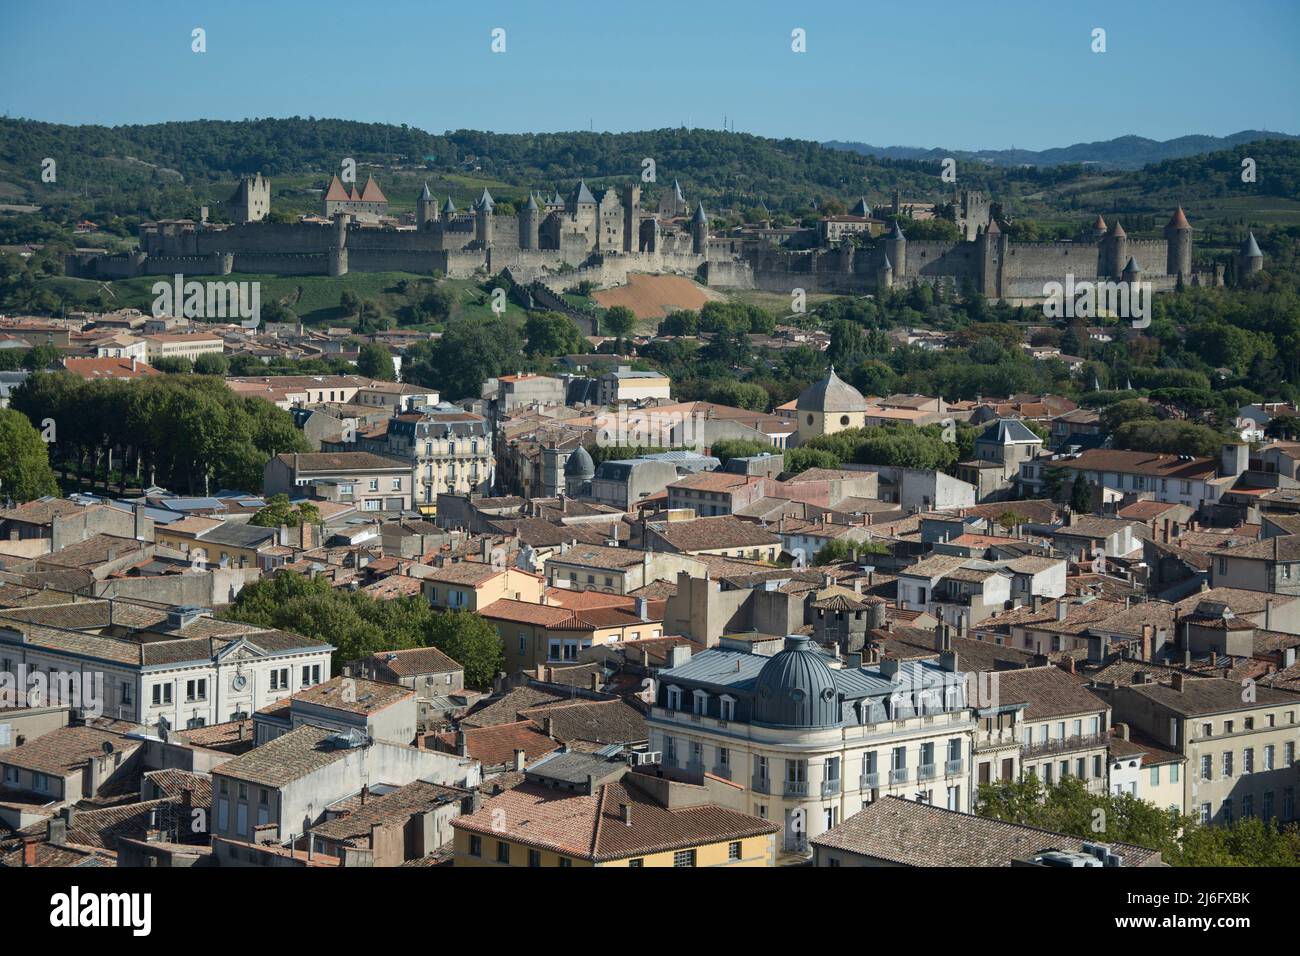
796	689
579	465
831	394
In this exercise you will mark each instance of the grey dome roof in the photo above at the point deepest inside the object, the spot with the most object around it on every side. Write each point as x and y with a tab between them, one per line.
579	464
831	394
796	688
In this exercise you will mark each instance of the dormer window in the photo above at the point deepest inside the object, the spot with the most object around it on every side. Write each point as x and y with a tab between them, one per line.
674	698
727	707
701	702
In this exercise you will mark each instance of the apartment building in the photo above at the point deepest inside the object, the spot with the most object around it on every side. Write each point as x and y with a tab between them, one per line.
1272	564
1065	728
1238	740
810	744
371	482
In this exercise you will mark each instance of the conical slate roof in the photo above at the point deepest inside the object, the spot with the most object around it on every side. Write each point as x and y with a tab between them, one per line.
888	265
582	194
1250	248
579	464
831	394
449	206
485	201
796	688
1132	265
861	209
677	191
898	232
532	203
425	195
1179	220
699	214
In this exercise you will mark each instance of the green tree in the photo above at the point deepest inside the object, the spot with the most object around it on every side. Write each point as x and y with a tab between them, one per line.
620	320
25	465
1081	496
279	511
550	333
211	363
375	361
472	642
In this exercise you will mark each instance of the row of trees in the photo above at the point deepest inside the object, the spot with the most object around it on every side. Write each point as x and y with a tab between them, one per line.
188	432
1069	807
358	625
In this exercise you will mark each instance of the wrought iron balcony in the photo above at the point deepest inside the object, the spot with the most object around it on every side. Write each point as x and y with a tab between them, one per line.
1065	744
951	767
925	771
898	776
796	788
870	781
830	786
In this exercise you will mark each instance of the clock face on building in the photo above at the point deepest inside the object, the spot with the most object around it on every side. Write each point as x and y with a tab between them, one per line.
239	682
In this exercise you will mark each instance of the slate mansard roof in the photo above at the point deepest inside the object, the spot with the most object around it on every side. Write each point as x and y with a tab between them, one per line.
797	688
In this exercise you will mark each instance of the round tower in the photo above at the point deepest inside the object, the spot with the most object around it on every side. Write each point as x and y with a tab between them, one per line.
896	251
426	209
449	209
885	275
1117	250
483	219
579	469
338	254
1249	260
530	221
699	231
1132	271
1098	229
1178	240
632	218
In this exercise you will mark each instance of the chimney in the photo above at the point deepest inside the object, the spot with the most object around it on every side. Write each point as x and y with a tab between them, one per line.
365	792
29	852
854	660
1062	609
595	681
547	726
462	747
1037	600
56	831
1123	731
625	810
520	760
1178	682
857	586
243	730
948	661
643	608
486	549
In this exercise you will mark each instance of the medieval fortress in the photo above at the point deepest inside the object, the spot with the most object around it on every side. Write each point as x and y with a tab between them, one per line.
560	242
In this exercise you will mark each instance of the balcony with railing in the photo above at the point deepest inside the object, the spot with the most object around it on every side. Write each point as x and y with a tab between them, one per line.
951	767
869	781
722	771
830	787
925	771
796	788
898	776
1065	744
761	785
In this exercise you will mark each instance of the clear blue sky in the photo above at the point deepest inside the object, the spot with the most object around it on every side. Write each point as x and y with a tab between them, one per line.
964	75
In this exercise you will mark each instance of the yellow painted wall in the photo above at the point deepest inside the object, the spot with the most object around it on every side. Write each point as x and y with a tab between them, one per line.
754	851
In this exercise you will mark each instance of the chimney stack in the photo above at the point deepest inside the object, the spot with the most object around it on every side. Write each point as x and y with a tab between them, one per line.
520	761
1178	682
625	810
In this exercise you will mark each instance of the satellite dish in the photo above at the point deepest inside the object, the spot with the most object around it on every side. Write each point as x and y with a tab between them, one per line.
106	747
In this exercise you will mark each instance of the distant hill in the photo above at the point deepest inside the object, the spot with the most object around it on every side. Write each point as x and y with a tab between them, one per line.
1124	152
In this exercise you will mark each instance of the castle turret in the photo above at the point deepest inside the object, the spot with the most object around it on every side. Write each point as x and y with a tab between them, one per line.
426	209
530	221
1132	271
896	251
1099	229
990	243
1116	250
632	218
885	275
338	253
483	219
449	209
1178	239
699	231
1249	259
